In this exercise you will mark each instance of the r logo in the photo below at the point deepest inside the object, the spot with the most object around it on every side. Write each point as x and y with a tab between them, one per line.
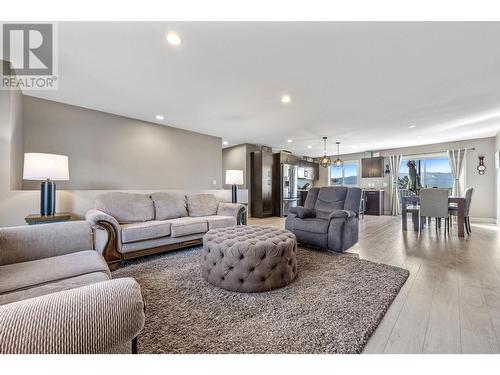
29	48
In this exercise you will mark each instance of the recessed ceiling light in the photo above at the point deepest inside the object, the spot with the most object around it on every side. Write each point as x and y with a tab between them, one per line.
412	126
309	146
289	140
159	117
285	98
174	38
225	143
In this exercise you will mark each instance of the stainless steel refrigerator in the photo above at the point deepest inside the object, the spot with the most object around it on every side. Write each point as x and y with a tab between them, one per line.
288	188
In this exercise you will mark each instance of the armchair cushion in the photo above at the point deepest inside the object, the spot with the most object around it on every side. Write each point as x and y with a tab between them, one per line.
36	272
26	243
92	319
202	205
312	225
343	214
302	212
126	207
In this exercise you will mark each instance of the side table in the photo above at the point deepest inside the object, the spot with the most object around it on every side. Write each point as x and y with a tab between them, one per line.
39	219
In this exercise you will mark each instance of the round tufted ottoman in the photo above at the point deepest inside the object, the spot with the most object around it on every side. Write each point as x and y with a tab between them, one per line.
249	258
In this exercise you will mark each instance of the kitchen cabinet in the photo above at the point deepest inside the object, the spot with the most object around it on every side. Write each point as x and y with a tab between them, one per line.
372	167
374	202
261	171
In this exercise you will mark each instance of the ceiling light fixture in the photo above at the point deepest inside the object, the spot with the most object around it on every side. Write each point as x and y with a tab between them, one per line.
325	161
285	99
412	126
309	146
225	143
159	117
289	140
174	38
338	162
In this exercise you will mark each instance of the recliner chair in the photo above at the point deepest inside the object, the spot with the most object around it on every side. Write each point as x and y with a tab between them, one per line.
329	219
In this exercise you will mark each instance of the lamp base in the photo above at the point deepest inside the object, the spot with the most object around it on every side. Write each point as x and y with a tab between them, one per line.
235	194
48	198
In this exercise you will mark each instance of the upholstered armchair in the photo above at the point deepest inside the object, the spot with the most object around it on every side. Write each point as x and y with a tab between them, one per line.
329	218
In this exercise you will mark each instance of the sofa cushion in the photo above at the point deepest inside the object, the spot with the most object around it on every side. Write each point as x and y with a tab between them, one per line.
187	225
24	275
144	231
330	199
202	205
312	225
219	221
169	205
53	287
126	207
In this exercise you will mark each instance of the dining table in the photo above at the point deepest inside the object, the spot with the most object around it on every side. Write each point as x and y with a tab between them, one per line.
411	204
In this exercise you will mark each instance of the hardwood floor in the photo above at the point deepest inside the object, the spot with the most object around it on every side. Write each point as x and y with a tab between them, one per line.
451	301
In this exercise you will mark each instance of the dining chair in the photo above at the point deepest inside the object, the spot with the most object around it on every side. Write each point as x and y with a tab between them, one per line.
454	209
434	203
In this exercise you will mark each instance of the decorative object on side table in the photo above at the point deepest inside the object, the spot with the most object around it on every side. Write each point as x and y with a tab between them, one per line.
47	168
46	219
481	168
234	177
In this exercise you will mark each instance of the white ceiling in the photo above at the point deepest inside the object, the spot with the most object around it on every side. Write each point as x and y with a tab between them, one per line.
359	83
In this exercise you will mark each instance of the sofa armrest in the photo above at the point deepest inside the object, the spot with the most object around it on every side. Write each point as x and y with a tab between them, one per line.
109	244
231	209
342	214
302	212
32	242
92	319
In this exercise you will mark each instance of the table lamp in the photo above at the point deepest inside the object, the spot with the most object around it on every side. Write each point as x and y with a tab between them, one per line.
46	168
234	177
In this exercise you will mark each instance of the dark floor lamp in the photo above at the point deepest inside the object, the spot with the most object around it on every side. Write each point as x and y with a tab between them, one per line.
234	177
46	168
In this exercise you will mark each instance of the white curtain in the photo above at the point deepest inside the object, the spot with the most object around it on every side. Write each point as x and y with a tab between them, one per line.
457	158
394	162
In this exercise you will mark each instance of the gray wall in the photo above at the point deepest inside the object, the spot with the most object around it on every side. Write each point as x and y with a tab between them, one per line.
109	152
235	158
485	194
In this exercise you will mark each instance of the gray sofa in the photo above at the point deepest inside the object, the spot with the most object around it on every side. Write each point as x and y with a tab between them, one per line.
329	218
143	224
57	296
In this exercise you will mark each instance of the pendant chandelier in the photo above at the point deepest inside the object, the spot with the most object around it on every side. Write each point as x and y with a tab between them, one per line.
338	162
325	161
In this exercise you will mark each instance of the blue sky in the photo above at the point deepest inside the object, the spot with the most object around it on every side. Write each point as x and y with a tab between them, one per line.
433	165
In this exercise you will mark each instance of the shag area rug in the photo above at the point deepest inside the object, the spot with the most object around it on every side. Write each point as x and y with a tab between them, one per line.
333	306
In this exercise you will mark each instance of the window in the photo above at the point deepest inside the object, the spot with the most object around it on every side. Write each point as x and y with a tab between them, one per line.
347	175
434	171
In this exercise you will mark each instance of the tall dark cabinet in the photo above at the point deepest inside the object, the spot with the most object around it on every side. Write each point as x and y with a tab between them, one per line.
261	169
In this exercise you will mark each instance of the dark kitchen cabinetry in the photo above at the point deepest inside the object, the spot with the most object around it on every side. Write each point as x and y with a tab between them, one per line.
372	167
374	202
261	169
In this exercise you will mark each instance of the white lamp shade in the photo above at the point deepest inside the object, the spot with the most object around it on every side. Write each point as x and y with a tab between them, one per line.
234	177
39	166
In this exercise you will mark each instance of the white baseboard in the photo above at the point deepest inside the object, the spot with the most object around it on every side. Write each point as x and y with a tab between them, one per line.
483	220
